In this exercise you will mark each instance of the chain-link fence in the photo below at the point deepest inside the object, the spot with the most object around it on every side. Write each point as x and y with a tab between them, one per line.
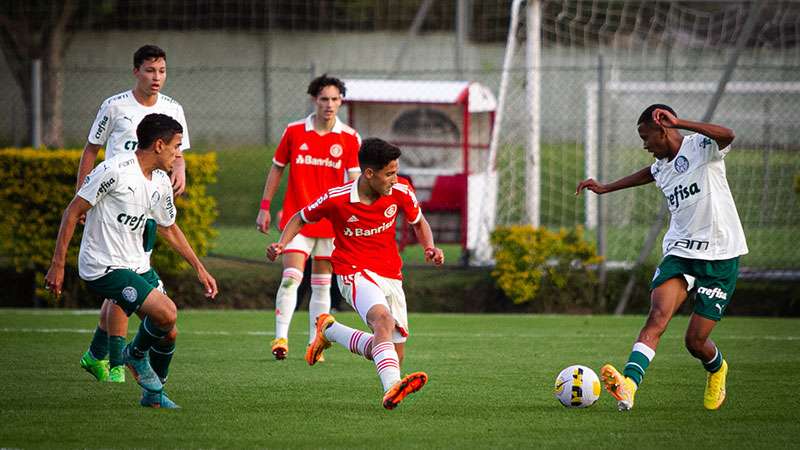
240	69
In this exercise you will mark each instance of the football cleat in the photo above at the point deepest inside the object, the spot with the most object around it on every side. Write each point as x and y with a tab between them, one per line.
620	387
98	368
320	342
116	374
403	388
715	387
280	348
156	400
321	357
142	371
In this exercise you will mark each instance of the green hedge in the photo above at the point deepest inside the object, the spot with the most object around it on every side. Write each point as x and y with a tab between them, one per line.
39	184
536	264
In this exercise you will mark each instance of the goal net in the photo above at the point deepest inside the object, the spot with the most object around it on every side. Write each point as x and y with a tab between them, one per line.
576	76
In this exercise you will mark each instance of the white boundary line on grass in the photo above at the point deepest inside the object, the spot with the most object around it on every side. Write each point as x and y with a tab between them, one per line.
458	335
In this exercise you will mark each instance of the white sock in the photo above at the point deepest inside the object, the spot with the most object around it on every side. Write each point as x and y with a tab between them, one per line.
354	340
386	363
320	301
286	301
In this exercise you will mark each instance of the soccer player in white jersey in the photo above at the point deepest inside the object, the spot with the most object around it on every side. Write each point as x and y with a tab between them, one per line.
367	264
117	198
701	247
323	153
115	128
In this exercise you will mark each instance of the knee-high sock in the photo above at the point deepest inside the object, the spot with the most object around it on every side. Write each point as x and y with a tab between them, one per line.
147	336
354	340
286	301
386	363
160	357
320	301
715	363
638	361
116	344
99	345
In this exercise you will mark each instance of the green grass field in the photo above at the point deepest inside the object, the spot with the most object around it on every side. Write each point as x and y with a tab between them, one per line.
491	380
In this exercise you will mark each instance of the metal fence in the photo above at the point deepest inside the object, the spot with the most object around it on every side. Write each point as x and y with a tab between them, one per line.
240	70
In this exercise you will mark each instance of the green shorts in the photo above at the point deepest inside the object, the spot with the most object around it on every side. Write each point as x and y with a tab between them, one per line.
126	288
714	281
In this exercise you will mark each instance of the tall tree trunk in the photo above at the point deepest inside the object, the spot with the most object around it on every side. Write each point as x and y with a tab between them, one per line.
55	47
21	42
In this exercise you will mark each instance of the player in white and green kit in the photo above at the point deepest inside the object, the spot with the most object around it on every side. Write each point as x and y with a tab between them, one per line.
701	247
115	128
117	198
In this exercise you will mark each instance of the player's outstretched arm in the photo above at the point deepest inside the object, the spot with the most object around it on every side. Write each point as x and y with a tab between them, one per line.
433	254
639	178
177	240
88	158
54	279
293	227
270	187
723	136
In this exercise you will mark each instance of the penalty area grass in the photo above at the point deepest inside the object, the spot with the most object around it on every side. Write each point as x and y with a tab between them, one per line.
491	383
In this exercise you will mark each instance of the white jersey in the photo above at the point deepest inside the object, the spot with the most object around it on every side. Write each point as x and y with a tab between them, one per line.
122	200
119	115
704	223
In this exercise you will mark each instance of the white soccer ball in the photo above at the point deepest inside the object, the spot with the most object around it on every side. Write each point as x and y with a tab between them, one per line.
577	387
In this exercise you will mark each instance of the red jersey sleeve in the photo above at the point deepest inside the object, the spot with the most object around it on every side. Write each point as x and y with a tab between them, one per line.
317	210
282	153
409	203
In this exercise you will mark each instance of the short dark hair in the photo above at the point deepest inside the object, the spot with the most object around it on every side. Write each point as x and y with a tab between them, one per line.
318	84
376	154
147	52
647	114
156	126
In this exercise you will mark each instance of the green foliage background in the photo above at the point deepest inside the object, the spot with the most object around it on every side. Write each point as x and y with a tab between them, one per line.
527	258
39	184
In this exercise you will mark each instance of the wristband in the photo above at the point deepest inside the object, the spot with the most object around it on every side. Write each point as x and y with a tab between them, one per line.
265	205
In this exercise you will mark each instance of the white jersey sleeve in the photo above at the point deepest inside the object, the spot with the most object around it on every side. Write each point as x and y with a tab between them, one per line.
101	127
98	183
185	143
708	147
163	204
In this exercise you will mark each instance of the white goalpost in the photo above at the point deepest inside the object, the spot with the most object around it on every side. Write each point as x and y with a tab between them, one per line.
577	73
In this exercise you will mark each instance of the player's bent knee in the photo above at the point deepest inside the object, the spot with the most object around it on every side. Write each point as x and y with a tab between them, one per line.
658	319
380	319
172	336
160	309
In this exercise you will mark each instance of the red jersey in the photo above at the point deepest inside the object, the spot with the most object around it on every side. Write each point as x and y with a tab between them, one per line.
318	163
365	234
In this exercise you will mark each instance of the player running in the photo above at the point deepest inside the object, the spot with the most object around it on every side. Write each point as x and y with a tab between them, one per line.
701	247
117	198
368	265
115	127
323	153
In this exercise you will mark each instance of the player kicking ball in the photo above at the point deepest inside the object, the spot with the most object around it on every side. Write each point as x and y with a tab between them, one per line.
117	197
701	247
368	265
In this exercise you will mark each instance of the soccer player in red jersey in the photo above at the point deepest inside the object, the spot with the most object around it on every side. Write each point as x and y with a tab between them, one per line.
323	153
368	265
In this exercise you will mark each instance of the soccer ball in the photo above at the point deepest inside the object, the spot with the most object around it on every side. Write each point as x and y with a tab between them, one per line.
577	387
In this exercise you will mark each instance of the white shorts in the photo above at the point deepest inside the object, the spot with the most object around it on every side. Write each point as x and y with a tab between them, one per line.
317	248
365	289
